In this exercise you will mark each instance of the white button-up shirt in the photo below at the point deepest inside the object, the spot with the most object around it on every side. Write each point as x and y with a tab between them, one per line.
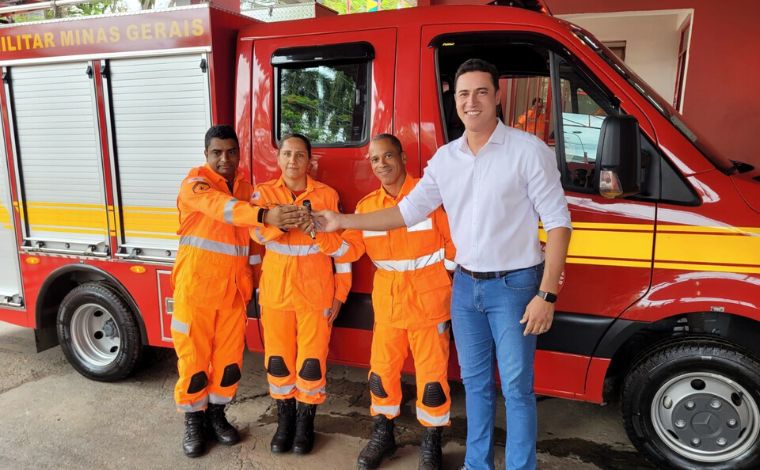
494	199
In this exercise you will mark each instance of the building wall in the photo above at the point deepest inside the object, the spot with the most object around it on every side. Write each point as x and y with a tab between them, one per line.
651	48
722	95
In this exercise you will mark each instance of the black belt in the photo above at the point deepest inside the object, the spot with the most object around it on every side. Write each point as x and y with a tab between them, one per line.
484	275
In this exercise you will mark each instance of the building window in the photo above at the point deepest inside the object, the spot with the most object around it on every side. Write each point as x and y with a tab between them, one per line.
323	93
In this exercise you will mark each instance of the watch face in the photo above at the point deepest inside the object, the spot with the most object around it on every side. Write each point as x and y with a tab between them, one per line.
547	296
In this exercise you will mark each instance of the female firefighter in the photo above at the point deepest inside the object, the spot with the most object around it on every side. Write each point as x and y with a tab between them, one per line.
300	293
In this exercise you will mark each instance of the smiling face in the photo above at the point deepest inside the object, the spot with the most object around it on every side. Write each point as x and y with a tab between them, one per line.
388	164
223	156
476	99
293	159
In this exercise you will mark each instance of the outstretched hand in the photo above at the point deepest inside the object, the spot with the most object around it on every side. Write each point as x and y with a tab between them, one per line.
327	221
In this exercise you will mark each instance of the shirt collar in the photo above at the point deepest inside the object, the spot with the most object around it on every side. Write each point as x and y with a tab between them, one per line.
406	188
218	179
498	136
309	183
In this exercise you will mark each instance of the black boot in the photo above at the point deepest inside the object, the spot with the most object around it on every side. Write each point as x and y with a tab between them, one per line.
304	439
430	449
381	444
282	441
192	442
219	427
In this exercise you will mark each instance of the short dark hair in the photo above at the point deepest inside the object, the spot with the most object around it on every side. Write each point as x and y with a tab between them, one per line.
392	138
295	135
478	65
223	132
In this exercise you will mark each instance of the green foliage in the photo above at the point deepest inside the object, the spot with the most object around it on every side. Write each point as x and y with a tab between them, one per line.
319	102
96	8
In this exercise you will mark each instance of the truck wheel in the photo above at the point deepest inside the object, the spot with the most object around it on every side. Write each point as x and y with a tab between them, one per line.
98	333
695	405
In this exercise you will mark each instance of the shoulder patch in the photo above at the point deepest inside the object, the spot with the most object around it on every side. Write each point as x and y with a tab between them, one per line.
201	187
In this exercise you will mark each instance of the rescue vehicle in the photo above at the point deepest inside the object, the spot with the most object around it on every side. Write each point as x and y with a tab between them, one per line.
102	117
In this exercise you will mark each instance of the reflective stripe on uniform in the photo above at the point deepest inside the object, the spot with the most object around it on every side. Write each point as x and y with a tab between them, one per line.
196	180
426	224
340	251
442	420
392	410
292	250
211	245
180	326
195	406
450	265
311	392
218	399
411	264
281	389
342	268
228	207
258	235
254	260
373	233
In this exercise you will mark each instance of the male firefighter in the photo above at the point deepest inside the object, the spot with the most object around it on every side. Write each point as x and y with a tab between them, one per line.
212	281
410	297
301	293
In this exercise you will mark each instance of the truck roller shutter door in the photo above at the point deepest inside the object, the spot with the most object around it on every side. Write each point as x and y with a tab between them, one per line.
59	158
160	113
10	275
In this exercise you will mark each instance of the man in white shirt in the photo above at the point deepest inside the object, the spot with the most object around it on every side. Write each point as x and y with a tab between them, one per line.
496	183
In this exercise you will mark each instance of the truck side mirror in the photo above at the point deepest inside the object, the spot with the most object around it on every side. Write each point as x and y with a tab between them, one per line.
618	157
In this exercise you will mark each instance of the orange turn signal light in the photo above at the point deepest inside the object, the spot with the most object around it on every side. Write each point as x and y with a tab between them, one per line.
138	269
32	260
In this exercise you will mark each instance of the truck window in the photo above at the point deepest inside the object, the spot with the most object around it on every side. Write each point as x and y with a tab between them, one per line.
323	94
584	107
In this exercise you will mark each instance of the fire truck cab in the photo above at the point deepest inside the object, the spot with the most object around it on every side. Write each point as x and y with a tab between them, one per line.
101	119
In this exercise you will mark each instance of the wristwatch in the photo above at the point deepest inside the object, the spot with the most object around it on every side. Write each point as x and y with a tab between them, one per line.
547	296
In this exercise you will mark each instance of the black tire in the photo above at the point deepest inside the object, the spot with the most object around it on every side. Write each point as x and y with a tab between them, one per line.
680	400
98	332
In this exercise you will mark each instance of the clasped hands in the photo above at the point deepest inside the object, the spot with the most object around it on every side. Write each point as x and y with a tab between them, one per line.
289	216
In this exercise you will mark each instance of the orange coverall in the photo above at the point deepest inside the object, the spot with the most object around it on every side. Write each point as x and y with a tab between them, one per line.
411	297
297	289
212	281
533	122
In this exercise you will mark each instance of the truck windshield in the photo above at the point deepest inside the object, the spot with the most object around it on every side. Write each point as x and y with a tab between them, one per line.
723	164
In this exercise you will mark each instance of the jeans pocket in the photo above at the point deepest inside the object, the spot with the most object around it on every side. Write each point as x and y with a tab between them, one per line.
524	279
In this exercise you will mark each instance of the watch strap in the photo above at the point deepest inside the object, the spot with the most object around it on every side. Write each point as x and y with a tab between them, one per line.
547	296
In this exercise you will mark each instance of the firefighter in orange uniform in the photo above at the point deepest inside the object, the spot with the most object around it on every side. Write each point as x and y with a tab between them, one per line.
300	293
212	280
534	119
410	296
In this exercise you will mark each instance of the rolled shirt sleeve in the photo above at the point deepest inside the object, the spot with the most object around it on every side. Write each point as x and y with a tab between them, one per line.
545	188
423	199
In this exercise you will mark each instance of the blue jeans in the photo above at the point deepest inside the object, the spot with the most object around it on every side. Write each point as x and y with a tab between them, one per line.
485	316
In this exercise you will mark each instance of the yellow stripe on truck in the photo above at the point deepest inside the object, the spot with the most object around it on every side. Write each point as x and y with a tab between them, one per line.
144	221
708	248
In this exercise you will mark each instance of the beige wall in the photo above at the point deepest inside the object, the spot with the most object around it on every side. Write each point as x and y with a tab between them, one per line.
651	43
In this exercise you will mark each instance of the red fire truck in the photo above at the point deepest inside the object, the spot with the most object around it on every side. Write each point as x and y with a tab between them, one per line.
102	117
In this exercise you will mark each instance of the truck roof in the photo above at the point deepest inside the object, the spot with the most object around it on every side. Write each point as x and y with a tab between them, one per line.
436	14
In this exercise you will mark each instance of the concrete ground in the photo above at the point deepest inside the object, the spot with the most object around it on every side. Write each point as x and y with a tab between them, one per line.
51	417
